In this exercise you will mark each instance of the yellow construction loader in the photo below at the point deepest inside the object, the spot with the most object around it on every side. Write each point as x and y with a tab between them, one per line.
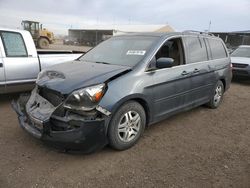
41	36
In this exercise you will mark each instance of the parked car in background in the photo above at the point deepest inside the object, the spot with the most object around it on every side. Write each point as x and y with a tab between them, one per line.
124	84
241	61
67	41
20	62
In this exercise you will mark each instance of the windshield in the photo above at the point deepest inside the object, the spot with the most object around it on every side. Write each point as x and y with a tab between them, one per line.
127	51
241	52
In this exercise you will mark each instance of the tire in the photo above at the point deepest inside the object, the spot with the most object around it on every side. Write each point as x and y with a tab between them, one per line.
126	126
43	43
217	97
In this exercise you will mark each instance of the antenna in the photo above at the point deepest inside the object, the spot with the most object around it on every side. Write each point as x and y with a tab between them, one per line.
209	26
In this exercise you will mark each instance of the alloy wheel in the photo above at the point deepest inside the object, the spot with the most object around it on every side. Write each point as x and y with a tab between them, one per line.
129	126
218	94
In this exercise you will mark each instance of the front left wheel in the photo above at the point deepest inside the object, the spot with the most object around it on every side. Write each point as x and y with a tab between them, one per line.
127	126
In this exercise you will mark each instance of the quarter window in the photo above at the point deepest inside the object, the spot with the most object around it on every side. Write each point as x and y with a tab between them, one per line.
196	49
217	49
14	44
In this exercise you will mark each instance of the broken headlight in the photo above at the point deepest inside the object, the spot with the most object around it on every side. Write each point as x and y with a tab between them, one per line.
85	99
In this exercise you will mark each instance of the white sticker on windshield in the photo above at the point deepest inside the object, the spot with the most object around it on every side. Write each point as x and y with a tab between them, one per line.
136	52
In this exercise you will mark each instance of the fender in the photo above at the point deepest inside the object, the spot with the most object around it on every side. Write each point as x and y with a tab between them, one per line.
141	99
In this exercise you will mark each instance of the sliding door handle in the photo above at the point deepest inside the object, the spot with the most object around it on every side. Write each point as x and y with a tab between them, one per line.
185	73
1	65
196	71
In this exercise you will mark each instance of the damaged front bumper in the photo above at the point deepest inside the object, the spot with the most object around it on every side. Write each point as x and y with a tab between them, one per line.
71	132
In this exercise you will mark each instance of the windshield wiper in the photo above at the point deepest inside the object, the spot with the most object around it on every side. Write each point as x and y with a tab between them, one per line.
102	62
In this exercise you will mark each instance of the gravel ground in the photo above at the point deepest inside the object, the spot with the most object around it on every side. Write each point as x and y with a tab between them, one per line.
58	45
198	148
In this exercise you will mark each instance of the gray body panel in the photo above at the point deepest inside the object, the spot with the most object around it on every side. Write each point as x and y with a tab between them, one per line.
80	75
166	92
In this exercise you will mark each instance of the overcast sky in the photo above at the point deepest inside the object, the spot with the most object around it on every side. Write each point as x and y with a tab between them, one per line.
59	15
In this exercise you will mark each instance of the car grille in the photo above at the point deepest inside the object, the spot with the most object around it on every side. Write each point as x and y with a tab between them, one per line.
240	72
238	65
54	97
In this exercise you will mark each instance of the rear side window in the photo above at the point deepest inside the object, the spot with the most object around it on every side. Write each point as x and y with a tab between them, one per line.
14	44
217	49
196	49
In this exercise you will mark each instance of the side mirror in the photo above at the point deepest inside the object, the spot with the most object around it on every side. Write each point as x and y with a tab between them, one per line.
164	62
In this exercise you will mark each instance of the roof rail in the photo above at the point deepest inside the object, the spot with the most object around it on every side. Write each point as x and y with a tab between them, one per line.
197	32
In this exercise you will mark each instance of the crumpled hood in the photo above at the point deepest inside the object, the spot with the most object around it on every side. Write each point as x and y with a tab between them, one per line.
70	76
241	60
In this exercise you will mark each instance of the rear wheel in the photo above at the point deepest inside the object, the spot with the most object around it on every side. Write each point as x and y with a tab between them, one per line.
43	43
216	100
127	126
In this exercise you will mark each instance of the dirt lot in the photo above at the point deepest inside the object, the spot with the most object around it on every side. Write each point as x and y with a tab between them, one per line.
199	148
58	45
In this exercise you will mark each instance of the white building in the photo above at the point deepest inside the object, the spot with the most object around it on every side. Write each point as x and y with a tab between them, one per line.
94	34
